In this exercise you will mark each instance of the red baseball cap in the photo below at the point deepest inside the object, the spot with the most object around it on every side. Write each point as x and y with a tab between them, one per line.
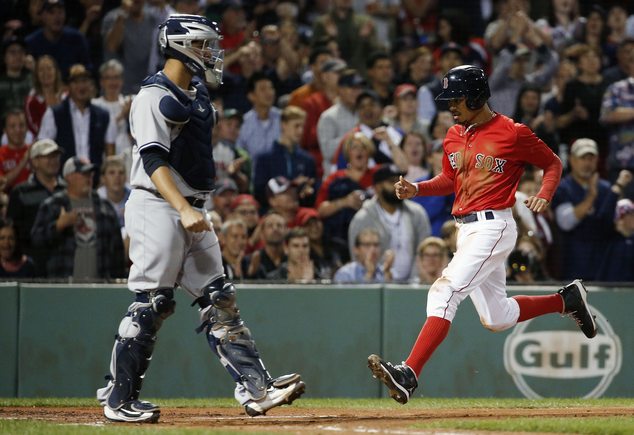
404	89
304	214
243	198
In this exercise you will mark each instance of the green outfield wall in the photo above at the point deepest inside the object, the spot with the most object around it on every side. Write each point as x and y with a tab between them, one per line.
56	341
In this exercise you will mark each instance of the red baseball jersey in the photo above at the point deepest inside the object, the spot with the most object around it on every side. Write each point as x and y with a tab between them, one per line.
483	165
9	159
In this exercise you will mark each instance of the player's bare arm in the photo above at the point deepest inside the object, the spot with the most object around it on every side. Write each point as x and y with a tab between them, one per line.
192	220
405	189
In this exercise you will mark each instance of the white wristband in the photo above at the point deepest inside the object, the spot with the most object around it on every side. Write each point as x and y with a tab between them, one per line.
416	186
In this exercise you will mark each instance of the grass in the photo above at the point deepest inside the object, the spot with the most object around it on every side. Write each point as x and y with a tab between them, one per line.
612	425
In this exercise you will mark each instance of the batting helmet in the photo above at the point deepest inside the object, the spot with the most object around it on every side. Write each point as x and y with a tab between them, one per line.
466	81
176	35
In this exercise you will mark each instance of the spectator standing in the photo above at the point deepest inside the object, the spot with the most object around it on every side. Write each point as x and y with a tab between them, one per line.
581	105
13	263
47	91
420	68
621	69
261	125
14	155
584	208
616	265
15	77
414	148
80	229
129	36
114	187
367	265
402	225
318	57
316	104
44	156
406	118
340	118
65	44
78	126
354	33
432	256
380	74
118	106
563	25
617	114
529	111
286	158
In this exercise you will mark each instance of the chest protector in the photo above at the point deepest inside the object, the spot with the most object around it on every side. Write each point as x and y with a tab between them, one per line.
191	150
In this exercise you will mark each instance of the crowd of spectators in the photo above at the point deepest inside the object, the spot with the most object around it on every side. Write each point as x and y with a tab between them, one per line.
324	105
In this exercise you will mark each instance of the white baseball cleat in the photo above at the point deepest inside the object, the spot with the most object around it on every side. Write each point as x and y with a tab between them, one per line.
282	391
135	411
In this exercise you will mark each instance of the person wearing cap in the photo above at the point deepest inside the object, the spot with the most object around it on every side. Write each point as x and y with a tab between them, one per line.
224	193
584	207
245	207
231	161
15	77
380	74
79	229
25	198
67	45
287	159
327	253
14	154
405	117
129	35
316	104
339	118
317	57
64	123
283	197
616	265
402	225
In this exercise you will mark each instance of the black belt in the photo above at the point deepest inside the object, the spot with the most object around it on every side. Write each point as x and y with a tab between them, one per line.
192	200
473	217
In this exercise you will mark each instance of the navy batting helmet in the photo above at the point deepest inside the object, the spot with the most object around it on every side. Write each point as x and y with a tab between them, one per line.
466	81
176	35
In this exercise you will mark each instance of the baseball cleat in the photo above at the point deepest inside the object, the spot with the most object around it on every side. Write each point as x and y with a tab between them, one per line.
576	307
399	379
135	411
282	391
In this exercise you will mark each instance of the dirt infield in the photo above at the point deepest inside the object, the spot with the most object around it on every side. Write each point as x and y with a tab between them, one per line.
304	420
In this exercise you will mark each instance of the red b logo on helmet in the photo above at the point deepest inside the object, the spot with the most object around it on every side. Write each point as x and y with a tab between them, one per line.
445	83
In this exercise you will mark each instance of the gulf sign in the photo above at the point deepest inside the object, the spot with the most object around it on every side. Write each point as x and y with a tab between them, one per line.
550	357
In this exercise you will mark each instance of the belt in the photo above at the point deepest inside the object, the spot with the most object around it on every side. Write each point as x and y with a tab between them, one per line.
473	217
192	200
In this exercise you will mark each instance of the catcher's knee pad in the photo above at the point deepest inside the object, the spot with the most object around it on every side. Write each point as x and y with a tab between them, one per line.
134	345
230	339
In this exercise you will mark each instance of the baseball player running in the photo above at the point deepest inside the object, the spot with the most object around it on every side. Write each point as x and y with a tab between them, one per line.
484	156
171	241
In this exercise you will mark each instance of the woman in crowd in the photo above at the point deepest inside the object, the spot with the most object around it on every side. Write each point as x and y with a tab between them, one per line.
344	191
13	264
47	90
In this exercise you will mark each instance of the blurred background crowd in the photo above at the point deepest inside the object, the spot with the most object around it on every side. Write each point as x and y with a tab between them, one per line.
324	105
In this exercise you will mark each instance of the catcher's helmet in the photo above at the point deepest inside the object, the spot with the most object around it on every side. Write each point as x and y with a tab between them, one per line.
176	35
466	81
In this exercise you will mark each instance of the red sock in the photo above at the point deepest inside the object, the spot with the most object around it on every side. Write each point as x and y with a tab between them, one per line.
534	306
431	335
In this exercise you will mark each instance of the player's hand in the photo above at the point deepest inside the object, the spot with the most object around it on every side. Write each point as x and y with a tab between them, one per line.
194	221
404	189
536	204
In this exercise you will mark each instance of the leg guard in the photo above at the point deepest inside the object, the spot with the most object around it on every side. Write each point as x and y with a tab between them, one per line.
133	348
231	340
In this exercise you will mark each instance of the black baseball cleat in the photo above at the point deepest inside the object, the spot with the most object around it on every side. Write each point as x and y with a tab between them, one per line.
576	307
399	379
135	411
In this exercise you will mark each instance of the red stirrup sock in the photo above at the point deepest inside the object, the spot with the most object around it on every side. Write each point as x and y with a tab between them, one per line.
431	335
534	306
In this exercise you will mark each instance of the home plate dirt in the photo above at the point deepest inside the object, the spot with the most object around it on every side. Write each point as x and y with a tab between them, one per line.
305	420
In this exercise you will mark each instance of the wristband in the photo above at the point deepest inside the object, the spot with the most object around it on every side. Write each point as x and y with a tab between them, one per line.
416	186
